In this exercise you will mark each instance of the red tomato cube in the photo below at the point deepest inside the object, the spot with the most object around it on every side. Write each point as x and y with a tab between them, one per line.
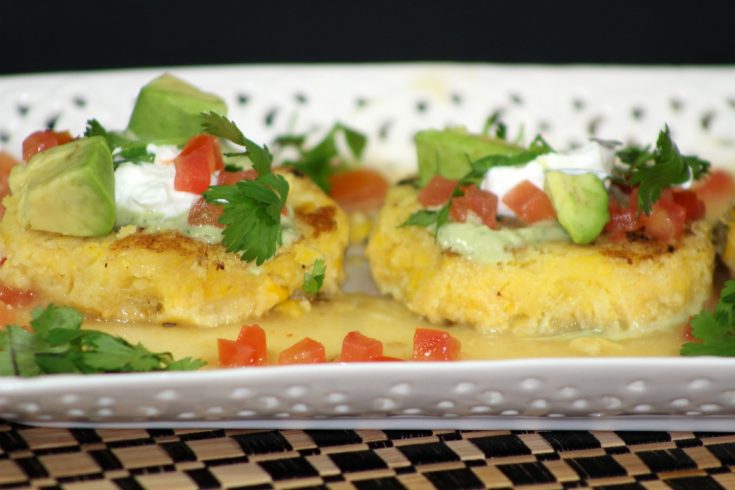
17	298
233	354
666	221
254	336
361	189
689	200
437	191
306	351
39	141
357	347
529	203
205	213
194	165
434	345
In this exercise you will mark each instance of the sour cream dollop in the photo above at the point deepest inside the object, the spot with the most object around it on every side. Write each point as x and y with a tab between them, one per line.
594	158
145	194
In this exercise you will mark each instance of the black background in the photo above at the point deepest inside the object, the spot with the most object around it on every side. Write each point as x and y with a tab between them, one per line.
49	36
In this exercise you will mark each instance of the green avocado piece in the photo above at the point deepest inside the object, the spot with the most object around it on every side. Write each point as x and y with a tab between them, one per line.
167	110
448	152
68	189
580	202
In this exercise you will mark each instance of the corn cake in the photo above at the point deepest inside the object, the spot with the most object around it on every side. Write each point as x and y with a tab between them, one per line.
166	277
620	289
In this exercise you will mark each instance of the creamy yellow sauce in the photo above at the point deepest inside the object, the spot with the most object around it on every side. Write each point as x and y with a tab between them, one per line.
384	319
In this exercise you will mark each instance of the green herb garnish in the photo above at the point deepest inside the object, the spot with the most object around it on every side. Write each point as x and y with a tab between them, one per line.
654	171
314	279
317	163
218	125
251	208
251	215
123	149
493	122
57	345
715	330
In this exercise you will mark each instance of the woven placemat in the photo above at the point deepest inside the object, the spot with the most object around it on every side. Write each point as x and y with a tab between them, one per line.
362	459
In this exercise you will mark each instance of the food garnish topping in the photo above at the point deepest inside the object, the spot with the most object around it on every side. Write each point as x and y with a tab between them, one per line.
714	331
57	344
251	208
314	278
317	162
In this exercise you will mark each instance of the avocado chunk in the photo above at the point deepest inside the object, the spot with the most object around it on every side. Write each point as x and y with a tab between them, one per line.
167	110
580	202
68	189
448	152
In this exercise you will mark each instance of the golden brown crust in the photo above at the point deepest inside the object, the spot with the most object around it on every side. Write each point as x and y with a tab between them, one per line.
620	289
168	277
321	220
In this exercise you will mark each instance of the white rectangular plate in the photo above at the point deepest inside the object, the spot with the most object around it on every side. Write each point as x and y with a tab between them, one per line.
389	103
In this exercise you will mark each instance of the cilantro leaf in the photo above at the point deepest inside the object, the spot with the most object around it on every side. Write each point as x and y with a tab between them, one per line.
314	279
17	355
186	364
133	151
480	167
94	128
493	121
317	162
654	171
356	140
58	344
45	321
123	149
251	215
295	140
716	330
218	125
251	208
423	218
634	155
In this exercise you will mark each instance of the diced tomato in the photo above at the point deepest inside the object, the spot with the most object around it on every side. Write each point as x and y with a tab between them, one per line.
719	183
7	315
233	354
192	175
306	351
717	191
459	209
483	203
361	189
39	141
254	336
229	178
17	298
357	347
194	165
248	350
205	213
529	203
434	345
691	203
622	220
666	221
207	147
437	191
